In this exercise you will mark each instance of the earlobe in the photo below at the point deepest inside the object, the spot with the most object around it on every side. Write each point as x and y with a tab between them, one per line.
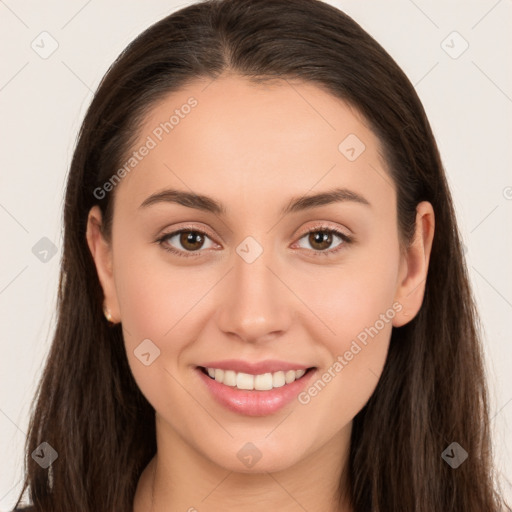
101	252
413	278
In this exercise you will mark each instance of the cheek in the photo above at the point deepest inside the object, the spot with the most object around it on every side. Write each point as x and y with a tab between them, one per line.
153	295
357	306
161	302
153	308
352	297
151	300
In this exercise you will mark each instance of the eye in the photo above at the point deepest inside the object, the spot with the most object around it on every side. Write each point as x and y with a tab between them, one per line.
320	238
190	240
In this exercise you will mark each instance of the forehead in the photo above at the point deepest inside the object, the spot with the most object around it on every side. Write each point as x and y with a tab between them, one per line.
233	137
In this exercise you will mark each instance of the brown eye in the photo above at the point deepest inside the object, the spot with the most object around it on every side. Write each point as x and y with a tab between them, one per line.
191	240
185	242
320	240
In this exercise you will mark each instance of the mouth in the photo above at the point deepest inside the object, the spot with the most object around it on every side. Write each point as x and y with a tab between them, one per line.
254	394
255	382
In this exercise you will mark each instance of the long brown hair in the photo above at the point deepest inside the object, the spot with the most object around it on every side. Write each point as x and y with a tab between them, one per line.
432	391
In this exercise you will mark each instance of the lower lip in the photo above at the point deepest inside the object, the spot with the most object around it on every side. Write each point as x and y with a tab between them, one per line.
255	403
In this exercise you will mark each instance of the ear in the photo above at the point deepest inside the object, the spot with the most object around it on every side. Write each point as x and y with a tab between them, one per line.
101	251
414	266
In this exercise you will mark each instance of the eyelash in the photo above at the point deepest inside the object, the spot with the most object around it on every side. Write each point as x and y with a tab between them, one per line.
190	229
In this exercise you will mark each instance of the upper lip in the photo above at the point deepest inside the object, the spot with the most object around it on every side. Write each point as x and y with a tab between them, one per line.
256	368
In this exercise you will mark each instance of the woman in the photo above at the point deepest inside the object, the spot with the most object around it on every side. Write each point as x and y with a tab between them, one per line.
263	292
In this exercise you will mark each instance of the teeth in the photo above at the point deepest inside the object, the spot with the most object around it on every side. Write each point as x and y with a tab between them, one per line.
243	381
278	380
229	378
262	382
289	376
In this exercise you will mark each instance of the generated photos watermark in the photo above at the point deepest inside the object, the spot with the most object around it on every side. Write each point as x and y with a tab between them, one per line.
151	142
344	359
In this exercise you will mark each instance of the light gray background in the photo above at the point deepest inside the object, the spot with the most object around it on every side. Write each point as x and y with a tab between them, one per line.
468	100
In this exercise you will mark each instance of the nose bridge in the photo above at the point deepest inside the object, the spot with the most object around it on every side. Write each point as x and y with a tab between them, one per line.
253	304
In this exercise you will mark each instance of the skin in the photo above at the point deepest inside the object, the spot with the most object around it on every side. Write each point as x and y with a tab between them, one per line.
249	146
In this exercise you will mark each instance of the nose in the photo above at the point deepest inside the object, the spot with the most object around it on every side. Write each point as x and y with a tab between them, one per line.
255	302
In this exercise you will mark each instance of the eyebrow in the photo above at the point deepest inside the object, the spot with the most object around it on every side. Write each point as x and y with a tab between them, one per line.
296	204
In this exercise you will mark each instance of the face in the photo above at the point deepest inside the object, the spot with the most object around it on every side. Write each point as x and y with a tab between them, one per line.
268	275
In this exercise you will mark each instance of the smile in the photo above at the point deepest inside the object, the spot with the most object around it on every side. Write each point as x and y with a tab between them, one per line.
254	395
261	382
